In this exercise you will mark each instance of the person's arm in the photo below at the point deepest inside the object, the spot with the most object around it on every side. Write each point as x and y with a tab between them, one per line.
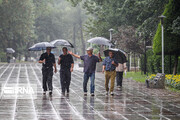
103	68
54	64
124	65
72	67
104	65
41	59
99	56
77	56
55	69
59	60
115	63
72	64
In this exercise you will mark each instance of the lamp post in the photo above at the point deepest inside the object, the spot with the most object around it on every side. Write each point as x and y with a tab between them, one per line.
110	30
162	28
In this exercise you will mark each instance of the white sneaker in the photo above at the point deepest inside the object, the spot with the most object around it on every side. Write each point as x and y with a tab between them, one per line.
112	93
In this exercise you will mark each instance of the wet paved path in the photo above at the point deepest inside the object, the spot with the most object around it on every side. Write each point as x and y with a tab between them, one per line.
133	102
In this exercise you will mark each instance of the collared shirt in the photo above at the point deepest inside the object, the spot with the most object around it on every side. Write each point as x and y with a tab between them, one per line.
49	59
108	63
66	61
89	63
120	67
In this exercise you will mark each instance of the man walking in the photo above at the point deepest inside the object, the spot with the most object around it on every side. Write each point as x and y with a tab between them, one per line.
109	66
119	74
67	65
48	61
90	61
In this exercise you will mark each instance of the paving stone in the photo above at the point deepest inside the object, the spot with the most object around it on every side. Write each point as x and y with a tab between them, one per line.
133	102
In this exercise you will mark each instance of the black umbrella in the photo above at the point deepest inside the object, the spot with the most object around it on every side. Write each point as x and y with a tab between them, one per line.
119	55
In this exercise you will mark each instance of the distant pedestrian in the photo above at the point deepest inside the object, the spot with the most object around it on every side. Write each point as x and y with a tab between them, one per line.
119	74
67	64
48	61
90	61
109	67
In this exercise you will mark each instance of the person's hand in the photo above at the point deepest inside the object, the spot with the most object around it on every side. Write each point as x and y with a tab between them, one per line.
71	69
99	54
103	71
55	70
59	59
113	62
70	52
44	61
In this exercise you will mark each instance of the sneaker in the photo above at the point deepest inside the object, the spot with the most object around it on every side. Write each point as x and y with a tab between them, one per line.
92	94
50	92
119	87
106	94
112	93
44	92
85	93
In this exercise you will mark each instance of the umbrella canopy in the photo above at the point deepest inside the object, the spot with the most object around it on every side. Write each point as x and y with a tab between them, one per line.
99	41
41	46
10	50
119	55
61	42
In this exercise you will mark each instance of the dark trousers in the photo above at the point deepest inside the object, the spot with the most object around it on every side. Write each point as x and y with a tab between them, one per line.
119	78
65	79
47	78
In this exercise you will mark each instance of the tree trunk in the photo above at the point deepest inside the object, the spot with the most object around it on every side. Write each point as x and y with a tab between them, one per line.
81	32
175	65
74	38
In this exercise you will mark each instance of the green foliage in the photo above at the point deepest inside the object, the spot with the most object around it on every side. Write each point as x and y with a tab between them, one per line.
171	41
17	26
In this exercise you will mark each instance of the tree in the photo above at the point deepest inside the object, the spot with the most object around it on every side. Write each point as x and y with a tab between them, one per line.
16	26
172	41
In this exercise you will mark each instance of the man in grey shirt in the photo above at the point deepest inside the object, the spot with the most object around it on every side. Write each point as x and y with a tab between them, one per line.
90	61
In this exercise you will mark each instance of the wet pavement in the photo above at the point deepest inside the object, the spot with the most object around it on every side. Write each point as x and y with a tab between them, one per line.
133	102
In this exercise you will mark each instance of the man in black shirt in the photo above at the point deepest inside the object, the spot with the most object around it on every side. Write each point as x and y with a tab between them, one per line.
48	61
67	65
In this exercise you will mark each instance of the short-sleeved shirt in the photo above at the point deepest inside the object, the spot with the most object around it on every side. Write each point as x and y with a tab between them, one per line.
49	59
89	63
66	61
108	63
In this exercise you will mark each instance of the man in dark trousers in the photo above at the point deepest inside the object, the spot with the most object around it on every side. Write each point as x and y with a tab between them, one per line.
90	61
48	61
67	65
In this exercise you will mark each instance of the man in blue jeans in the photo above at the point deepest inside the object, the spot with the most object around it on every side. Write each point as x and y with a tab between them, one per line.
90	61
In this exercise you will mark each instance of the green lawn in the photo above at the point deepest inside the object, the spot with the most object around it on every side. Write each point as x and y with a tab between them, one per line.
136	76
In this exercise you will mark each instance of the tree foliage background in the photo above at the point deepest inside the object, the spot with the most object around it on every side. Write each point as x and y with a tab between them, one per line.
135	22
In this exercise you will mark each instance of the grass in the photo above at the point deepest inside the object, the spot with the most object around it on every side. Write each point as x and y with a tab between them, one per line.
137	76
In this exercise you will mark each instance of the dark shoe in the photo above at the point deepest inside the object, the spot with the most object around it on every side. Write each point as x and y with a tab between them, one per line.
44	92
85	93
92	94
50	93
112	93
67	91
